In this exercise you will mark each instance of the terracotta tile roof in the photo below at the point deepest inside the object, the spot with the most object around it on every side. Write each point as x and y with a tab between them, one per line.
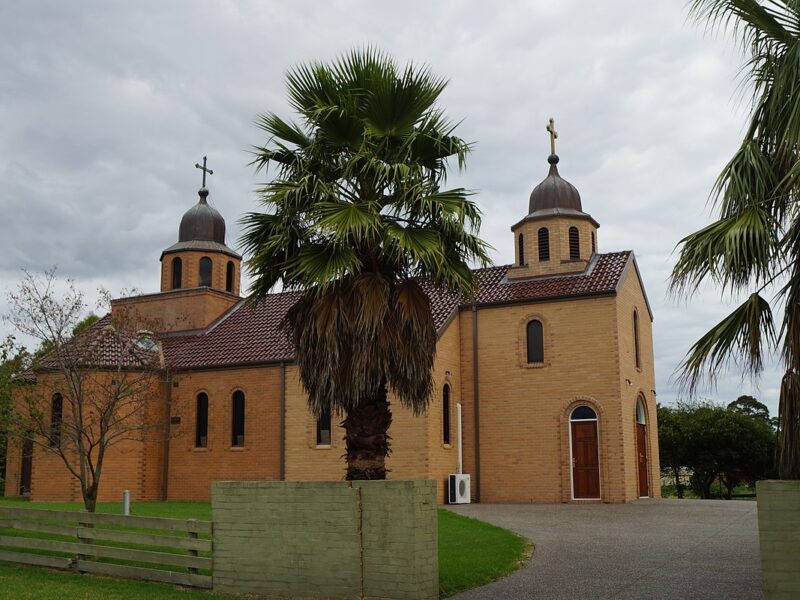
99	346
252	334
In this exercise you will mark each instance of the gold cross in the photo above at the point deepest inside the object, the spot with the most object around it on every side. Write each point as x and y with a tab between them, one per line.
551	129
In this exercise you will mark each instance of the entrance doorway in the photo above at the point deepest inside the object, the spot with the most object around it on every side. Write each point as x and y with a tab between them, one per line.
26	473
584	454
641	448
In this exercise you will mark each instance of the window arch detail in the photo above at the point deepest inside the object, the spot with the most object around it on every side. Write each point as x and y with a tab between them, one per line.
574	243
201	421
641	411
237	414
205	272
56	419
446	414
177	273
544	244
534	335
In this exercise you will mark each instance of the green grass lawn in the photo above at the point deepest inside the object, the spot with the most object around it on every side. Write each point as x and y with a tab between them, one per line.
471	553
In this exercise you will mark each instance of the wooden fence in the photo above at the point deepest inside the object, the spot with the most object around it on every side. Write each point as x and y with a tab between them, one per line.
102	544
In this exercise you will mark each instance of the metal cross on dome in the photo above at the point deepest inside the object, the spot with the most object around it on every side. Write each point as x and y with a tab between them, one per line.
204	169
551	129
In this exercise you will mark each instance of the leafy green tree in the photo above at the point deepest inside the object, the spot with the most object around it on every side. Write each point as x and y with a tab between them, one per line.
750	407
672	444
753	248
358	223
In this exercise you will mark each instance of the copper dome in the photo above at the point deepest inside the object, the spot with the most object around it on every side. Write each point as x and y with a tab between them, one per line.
554	192
202	222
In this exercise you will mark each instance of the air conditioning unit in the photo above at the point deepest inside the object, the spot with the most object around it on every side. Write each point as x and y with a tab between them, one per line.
458	489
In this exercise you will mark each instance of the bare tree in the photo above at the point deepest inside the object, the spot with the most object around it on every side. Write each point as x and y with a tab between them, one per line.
91	390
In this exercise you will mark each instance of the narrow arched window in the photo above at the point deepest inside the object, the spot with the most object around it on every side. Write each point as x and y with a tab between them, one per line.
237	428
641	418
56	418
201	421
177	273
594	244
535	335
446	414
521	249
574	244
636	353
544	244
324	427
229	277
205	272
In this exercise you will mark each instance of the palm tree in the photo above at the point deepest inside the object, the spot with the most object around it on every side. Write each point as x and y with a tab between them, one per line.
357	223
753	247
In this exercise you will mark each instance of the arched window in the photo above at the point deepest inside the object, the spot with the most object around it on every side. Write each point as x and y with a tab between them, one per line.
201	421
521	249
574	244
594	245
636	354
535	335
324	427
641	418
205	272
544	244
177	273
237	427
446	414
583	413
56	418
229	277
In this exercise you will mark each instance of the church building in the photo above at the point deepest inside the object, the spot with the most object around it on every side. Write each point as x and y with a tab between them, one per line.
551	362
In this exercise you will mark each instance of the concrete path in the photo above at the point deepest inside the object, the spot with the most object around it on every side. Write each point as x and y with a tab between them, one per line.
648	550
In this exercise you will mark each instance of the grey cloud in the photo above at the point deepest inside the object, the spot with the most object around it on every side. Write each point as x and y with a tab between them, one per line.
105	108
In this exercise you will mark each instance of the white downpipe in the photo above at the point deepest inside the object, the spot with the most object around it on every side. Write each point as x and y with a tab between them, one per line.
458	432
126	503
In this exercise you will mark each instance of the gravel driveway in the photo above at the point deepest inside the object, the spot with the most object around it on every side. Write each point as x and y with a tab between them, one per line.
648	550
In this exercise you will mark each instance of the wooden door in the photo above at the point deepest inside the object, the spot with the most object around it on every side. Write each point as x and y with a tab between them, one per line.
641	452
585	460
27	467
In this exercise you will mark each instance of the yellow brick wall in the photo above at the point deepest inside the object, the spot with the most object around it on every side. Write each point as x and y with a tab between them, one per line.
180	310
523	410
191	469
642	382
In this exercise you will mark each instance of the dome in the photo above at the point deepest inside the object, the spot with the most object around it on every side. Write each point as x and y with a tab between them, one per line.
202	222
554	192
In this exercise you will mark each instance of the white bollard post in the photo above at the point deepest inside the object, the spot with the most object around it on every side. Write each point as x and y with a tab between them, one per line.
126	503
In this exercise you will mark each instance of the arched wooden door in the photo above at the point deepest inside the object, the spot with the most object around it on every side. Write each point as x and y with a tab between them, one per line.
585	456
641	449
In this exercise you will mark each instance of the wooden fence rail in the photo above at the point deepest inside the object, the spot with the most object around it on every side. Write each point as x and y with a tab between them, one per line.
98	543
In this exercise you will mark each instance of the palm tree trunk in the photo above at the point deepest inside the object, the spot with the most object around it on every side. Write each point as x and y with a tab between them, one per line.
789	427
367	440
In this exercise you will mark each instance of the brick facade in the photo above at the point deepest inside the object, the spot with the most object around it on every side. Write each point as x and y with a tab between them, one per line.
516	422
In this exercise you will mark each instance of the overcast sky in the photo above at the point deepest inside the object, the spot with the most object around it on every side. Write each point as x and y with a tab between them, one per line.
106	106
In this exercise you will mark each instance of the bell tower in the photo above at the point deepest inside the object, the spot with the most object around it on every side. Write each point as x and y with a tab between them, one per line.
556	237
200	258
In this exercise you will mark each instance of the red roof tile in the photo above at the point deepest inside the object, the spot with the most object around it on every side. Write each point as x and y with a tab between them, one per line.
252	334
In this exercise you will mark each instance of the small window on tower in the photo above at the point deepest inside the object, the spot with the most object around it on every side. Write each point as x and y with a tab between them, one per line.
594	246
205	272
521	249
544	244
177	273
229	277
574	244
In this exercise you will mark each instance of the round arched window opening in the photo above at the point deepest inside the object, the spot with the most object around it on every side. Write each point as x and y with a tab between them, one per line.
583	413
641	417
